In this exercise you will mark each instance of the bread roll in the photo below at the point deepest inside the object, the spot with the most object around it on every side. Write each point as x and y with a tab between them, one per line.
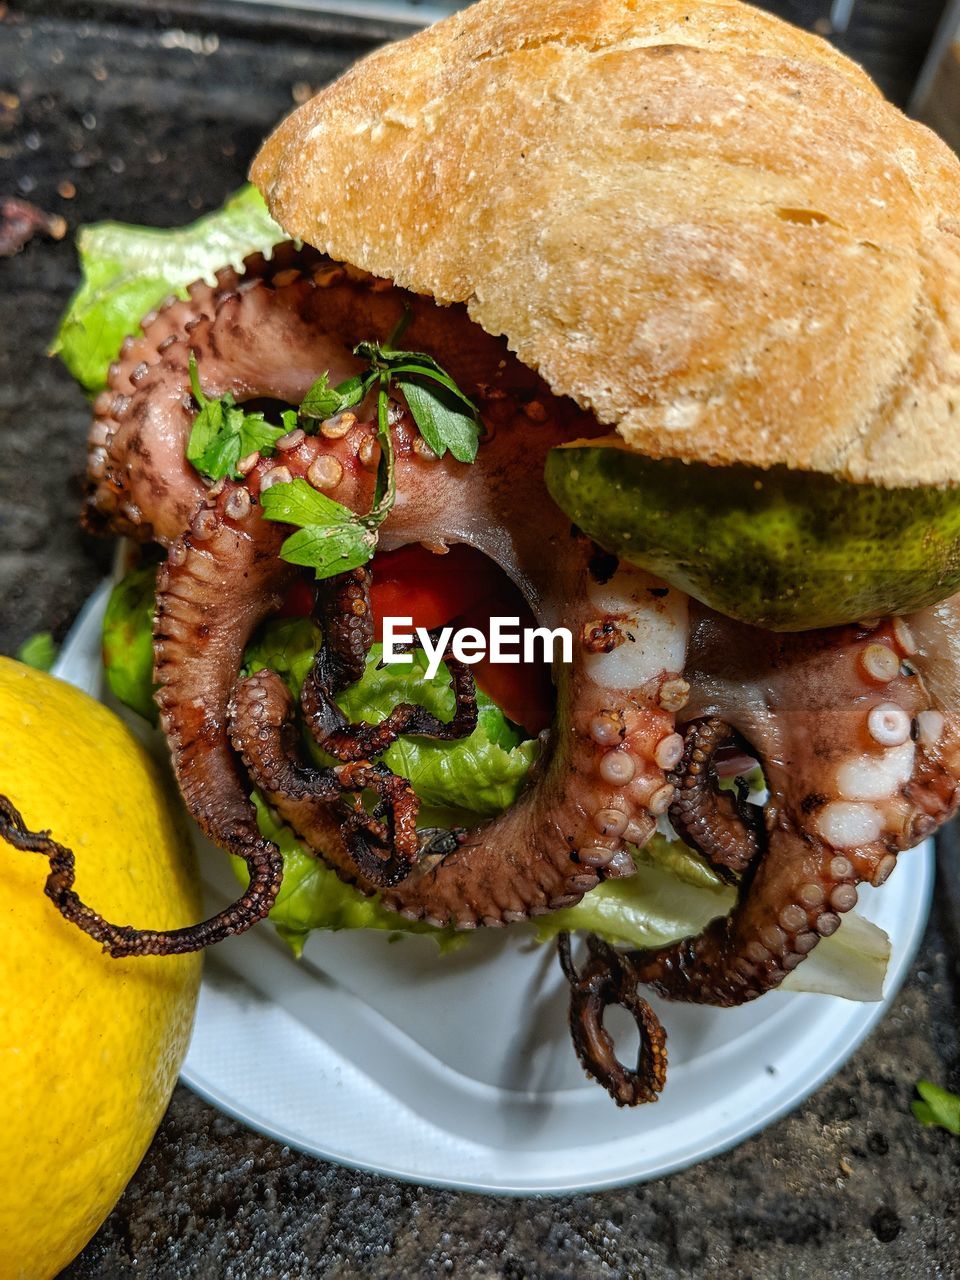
702	224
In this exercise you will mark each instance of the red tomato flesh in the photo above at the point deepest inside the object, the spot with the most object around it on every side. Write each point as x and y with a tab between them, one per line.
429	588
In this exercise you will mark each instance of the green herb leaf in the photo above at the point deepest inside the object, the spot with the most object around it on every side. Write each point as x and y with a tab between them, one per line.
330	549
255	434
403	364
939	1107
385	491
445	416
300	504
39	651
323	401
330	539
222	433
206	429
441	419
410	363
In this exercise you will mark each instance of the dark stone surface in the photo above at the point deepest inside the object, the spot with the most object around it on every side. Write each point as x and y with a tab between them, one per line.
849	1185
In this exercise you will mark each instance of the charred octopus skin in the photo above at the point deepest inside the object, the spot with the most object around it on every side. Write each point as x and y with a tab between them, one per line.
854	727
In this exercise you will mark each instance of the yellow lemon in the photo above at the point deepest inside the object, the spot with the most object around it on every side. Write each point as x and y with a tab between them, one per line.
90	1047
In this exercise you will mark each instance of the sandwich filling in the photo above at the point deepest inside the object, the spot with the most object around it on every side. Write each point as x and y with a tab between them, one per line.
268	436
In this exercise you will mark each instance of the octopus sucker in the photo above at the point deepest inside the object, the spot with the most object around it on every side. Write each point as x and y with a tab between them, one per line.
854	727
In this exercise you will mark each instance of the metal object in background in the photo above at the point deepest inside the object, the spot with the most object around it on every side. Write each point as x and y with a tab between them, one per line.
936	97
841	13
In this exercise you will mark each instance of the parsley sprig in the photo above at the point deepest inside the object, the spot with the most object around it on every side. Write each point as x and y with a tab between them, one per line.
331	538
445	416
223	432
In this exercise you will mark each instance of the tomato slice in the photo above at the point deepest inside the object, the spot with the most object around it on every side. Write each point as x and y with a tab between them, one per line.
299	601
462	587
429	588
413	582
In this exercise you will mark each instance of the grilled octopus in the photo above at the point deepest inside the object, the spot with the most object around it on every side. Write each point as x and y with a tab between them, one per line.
855	727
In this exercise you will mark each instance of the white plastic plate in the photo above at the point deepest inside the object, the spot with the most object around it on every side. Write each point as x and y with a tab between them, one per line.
458	1070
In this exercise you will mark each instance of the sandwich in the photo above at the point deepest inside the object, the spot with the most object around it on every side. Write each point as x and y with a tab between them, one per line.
544	480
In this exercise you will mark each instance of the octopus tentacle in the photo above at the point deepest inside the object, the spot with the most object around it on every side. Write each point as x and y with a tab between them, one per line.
202	630
396	841
718	824
346	622
608	979
264	733
261	722
836	720
330	729
124	446
262	858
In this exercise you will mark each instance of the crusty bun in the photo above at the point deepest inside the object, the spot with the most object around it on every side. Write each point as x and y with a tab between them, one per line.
704	225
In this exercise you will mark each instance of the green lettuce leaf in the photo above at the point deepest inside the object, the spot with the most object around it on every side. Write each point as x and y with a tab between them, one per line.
481	775
939	1107
484	773
128	641
129	270
314	897
675	894
39	651
287	646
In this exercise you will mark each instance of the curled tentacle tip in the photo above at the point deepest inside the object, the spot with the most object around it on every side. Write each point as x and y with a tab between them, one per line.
263	862
607	978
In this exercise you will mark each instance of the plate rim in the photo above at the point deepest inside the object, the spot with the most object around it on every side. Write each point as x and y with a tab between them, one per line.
866	1016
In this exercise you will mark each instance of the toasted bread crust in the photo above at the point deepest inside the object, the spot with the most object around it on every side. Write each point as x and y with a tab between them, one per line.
704	225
